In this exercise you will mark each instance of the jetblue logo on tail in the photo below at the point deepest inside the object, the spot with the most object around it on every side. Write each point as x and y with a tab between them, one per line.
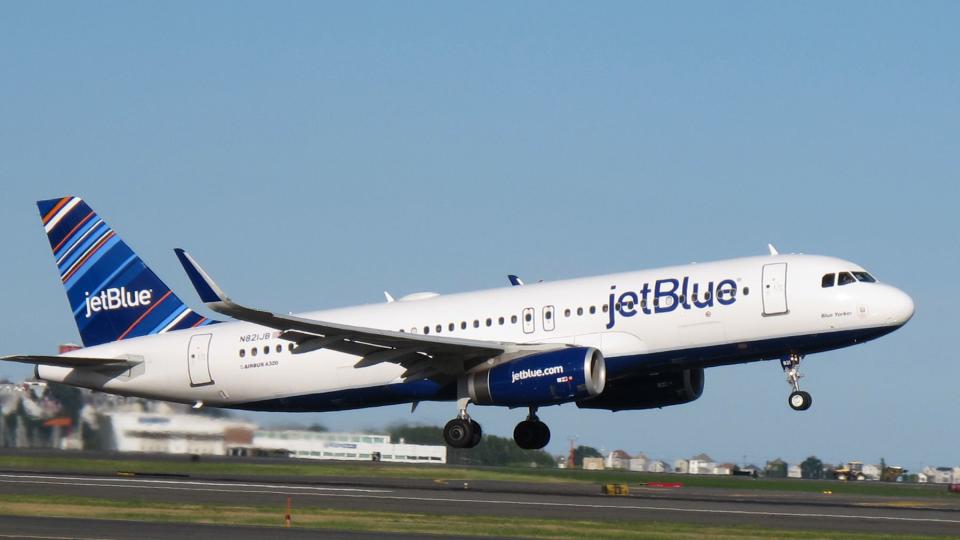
114	298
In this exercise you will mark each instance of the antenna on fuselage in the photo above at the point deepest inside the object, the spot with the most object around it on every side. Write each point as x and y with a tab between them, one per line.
773	250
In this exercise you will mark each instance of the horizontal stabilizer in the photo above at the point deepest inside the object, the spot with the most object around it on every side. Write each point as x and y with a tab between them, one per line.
71	361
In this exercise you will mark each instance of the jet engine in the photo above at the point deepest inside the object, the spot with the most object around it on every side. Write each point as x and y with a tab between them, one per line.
547	378
649	391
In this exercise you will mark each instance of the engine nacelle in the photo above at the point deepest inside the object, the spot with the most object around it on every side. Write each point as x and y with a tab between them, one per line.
547	378
649	391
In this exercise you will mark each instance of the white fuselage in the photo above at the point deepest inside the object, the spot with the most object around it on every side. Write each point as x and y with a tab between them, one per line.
757	308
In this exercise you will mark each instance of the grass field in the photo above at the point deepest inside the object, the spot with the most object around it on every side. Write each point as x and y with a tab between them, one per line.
419	523
302	468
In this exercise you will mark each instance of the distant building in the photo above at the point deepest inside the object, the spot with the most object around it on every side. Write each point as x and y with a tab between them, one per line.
172	433
724	469
941	475
701	464
658	466
681	466
793	471
638	462
344	446
618	459
593	463
871	472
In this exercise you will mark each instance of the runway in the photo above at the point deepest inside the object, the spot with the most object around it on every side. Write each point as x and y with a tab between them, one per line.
703	506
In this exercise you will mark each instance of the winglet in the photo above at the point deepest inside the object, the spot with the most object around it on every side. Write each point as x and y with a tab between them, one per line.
773	250
514	280
389	296
205	286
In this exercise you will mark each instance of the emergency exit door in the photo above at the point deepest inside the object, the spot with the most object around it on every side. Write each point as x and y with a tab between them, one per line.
198	360
775	289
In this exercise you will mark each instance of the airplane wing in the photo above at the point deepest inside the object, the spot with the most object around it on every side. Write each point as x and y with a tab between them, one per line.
71	361
423	356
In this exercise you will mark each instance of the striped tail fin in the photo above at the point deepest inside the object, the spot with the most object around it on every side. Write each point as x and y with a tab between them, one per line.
112	293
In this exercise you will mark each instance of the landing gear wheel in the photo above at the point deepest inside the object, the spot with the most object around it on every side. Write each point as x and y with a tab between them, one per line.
459	433
477	434
800	400
531	434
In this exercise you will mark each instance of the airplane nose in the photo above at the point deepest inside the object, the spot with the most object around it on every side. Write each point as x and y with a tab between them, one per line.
900	307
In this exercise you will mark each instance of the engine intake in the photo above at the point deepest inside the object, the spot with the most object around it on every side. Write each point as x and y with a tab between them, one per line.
547	378
649	391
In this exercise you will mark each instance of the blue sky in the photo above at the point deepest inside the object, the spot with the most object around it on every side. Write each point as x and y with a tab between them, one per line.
313	155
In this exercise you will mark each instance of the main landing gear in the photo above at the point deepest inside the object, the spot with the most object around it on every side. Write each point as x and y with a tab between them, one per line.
531	434
462	431
798	400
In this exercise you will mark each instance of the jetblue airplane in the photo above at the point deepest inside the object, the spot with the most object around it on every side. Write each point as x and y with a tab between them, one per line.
628	341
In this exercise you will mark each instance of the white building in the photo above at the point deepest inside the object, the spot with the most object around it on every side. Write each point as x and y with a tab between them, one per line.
639	462
618	459
701	464
681	466
794	471
871	472
345	446
658	466
174	433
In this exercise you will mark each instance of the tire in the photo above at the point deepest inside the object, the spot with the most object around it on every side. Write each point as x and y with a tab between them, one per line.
525	434
458	433
477	434
542	436
800	400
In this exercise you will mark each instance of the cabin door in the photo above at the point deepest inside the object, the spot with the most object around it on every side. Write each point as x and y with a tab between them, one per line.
775	289
198	360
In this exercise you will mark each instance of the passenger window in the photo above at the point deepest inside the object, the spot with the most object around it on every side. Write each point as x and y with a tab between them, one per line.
489	322
253	351
290	347
548	314
476	323
500	321
864	277
845	278
243	352
827	280
266	349
513	319
746	291
566	312
279	348
451	327
426	330
463	325
579	311
606	308
593	309
528	317
439	328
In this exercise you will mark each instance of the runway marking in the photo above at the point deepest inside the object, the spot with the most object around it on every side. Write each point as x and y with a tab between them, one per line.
101	482
370	494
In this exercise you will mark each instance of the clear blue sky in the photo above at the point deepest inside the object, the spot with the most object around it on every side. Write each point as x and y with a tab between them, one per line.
314	154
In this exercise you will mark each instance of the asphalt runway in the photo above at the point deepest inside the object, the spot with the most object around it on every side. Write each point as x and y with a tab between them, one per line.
720	507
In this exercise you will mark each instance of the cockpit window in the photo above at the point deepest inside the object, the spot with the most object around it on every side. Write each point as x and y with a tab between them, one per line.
845	278
864	277
827	280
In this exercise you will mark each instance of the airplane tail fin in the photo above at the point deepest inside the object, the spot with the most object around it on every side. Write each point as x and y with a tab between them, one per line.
112	293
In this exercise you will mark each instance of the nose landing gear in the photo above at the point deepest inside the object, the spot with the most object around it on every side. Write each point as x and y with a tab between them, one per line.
798	400
531	434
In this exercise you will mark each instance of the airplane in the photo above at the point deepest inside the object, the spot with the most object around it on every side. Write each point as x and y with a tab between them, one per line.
626	341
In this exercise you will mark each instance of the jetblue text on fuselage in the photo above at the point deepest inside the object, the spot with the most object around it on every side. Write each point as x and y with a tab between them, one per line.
114	298
666	295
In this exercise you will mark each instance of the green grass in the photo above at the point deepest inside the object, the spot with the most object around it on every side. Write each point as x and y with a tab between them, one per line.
413	523
302	468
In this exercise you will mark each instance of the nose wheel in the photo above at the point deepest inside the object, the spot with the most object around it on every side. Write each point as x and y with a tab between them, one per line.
531	434
798	400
